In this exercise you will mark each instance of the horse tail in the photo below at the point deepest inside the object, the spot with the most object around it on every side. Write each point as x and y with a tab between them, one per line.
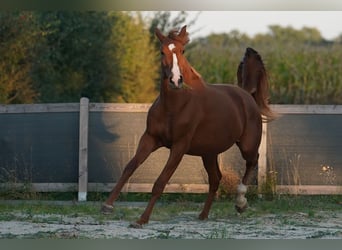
261	97
252	77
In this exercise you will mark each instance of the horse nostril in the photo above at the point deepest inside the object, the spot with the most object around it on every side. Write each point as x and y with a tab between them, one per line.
180	79
171	79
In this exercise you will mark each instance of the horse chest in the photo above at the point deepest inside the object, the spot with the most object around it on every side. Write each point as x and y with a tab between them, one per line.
172	129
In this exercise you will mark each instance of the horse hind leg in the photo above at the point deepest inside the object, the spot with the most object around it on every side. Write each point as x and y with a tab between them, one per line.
214	175
251	156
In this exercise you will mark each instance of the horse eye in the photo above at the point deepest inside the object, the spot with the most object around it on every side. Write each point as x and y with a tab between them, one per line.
162	53
183	51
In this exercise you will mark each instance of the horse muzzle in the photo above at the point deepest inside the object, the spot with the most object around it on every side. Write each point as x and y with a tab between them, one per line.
176	83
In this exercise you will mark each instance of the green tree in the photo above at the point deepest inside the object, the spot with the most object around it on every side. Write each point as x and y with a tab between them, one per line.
71	58
105	56
165	22
18	35
289	34
133	59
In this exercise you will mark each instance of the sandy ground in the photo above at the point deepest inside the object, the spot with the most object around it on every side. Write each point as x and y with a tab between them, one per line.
185	225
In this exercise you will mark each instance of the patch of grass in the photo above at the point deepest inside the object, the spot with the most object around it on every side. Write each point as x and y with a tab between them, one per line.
310	205
296	203
311	214
102	196
29	194
4	216
219	233
164	198
281	205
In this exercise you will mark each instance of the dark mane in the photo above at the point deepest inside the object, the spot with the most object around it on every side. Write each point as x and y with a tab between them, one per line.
174	35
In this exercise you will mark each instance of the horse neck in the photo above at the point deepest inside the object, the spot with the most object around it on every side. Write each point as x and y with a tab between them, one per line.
173	99
193	79
193	84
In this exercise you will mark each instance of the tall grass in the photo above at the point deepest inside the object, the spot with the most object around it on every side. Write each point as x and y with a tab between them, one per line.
300	72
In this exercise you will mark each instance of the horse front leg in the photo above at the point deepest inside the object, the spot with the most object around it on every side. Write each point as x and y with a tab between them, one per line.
214	175
146	146
176	155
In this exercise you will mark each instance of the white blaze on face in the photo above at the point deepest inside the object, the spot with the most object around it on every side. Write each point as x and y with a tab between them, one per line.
176	75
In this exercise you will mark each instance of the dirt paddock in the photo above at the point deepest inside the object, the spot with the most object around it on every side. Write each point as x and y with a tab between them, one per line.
184	225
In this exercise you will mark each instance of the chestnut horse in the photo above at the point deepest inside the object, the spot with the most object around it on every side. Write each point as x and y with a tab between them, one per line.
192	117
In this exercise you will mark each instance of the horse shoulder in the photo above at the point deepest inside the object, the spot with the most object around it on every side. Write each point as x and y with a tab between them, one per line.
154	118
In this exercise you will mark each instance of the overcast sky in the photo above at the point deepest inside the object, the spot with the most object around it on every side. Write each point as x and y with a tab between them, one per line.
329	23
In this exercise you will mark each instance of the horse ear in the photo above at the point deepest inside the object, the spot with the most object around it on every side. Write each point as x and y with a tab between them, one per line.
160	36
184	35
183	31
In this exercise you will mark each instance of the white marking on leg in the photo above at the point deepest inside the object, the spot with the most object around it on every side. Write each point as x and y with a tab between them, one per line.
242	189
241	200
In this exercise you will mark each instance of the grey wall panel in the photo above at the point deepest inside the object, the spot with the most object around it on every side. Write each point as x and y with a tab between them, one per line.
113	139
39	147
306	149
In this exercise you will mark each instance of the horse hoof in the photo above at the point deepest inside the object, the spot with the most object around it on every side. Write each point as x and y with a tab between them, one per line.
135	225
107	209
203	217
240	210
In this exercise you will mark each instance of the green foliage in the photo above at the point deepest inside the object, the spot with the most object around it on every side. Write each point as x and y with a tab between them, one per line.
302	67
307	74
216	57
134	59
72	60
59	56
165	22
17	39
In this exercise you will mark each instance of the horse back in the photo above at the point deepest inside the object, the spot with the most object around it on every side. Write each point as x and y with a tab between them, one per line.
238	97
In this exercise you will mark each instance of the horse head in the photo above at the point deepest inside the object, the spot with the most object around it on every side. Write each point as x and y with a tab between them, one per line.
173	62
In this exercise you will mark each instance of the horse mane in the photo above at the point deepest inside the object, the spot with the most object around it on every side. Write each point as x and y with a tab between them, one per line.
196	72
239	74
174	35
261	95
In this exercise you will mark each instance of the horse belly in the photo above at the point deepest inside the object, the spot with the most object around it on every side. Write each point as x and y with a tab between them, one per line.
214	139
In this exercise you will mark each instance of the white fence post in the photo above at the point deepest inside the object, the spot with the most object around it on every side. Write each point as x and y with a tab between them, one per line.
262	162
83	150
